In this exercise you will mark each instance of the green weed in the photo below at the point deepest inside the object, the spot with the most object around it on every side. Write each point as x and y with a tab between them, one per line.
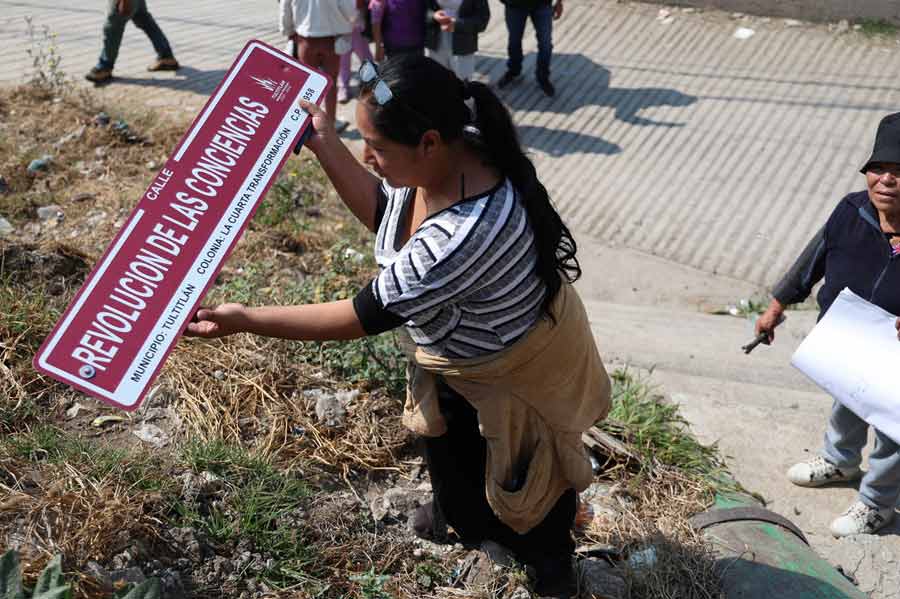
371	584
878	28
259	498
657	430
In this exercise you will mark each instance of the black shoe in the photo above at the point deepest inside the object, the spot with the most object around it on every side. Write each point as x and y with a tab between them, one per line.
547	87
99	75
508	77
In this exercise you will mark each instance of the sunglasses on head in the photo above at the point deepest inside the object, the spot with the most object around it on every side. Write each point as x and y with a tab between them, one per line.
368	76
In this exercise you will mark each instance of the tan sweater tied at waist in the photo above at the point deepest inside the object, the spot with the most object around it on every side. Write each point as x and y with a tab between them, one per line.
534	399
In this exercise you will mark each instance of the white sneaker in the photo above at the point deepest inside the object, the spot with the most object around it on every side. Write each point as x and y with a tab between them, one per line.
861	519
819	471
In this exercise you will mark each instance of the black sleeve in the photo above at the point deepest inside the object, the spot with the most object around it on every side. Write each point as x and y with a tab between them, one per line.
477	22
796	285
381	201
373	318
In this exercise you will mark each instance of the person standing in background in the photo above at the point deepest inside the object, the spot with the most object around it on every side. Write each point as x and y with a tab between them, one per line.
118	15
451	33
542	16
359	46
398	27
315	26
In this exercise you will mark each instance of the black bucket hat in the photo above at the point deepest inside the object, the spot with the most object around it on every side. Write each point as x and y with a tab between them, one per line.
887	142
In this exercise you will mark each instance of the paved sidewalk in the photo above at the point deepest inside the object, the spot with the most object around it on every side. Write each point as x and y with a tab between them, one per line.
692	165
675	139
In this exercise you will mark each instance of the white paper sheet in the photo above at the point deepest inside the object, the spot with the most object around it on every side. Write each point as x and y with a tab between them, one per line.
853	353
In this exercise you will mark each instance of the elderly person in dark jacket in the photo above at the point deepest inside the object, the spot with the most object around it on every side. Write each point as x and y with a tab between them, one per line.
451	33
859	248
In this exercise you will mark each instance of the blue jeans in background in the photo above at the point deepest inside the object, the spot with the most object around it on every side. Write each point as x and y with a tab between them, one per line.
115	27
542	19
844	441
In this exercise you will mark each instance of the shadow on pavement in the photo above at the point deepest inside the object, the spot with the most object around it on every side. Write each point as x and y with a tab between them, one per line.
580	82
184	79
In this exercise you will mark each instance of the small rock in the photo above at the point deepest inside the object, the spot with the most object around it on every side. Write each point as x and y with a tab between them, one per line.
40	165
152	165
187	542
171	584
152	434
74	135
53	211
792	23
99	574
101	119
599	579
397	503
688	10
5	227
520	592
857	27
101	151
331	408
219	375
73	411
354	255
843	26
744	33
662	14
195	486
82	197
737	15
796	511
128	575
645	558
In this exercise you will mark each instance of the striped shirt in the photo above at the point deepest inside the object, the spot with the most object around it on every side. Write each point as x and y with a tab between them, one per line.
465	284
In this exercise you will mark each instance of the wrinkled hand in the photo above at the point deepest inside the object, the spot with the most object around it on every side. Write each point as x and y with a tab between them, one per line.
211	323
323	126
557	10
770	319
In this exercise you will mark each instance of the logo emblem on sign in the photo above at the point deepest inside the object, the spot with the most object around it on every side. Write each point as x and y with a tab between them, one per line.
266	84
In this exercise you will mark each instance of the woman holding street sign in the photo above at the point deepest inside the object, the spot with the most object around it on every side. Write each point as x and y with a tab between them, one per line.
475	266
858	248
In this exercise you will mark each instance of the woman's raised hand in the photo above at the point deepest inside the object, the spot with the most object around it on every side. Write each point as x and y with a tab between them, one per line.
220	321
322	124
897	324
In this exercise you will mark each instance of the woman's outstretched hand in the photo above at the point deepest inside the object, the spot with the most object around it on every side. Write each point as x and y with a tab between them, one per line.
220	321
897	324
322	124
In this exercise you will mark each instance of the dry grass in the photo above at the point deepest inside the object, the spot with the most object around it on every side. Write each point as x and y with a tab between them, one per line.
241	400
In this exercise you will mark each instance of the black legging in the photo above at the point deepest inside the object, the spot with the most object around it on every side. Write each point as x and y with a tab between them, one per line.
456	464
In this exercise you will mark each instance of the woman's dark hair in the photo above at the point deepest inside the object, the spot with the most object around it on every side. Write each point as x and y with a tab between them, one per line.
428	96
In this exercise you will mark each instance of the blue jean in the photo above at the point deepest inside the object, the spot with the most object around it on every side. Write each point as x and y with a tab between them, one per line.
115	27
844	441
542	19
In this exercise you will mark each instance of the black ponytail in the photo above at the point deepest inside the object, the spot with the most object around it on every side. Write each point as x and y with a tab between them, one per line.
556	246
429	96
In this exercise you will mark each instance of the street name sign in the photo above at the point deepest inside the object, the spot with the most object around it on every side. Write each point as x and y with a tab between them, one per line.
114	337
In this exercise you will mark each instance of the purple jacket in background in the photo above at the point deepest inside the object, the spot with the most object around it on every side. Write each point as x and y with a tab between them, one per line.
402	22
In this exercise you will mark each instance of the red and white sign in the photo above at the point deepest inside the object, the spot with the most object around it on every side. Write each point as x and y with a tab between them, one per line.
115	335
